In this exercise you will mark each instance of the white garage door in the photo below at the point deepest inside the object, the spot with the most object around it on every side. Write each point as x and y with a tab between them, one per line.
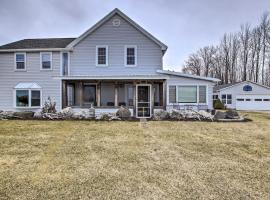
253	102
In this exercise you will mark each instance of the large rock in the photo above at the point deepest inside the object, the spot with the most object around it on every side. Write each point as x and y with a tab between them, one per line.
219	115
24	114
123	112
232	114
176	115
7	115
67	113
161	115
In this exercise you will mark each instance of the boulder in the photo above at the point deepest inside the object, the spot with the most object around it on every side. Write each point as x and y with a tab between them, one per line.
24	114
219	115
176	115
232	114
38	115
123	112
161	115
67	113
7	115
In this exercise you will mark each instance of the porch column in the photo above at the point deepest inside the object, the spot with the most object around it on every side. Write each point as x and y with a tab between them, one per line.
81	93
115	94
152	98
134	98
98	94
164	87
64	94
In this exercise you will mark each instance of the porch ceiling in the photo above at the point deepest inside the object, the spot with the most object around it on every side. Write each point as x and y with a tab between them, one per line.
121	77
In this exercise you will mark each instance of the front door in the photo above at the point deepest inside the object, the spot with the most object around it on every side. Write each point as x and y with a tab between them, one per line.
143	101
89	94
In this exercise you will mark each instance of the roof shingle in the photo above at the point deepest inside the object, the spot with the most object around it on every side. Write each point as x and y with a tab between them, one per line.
39	43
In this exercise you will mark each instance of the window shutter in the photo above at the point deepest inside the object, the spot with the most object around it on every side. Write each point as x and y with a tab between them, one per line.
202	94
172	94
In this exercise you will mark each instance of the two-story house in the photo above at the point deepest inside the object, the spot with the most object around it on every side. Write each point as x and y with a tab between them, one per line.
116	62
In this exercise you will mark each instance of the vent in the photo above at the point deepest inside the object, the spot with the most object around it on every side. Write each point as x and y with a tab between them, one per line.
116	22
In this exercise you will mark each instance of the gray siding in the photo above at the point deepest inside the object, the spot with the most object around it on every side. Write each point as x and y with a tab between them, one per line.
10	78
190	81
83	58
238	90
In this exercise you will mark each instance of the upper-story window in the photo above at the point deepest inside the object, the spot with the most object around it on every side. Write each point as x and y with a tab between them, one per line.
46	60
65	63
130	55
20	60
102	56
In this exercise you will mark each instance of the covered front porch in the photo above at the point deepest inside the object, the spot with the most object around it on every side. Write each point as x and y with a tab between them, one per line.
140	96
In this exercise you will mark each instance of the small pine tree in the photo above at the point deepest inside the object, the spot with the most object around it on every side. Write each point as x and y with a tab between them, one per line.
218	104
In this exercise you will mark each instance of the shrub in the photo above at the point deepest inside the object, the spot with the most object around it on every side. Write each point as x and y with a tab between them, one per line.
49	106
218	104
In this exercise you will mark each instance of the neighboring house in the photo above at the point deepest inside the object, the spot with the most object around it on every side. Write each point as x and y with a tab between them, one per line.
244	95
116	62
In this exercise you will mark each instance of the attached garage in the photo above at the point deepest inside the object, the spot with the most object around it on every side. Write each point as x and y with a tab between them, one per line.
244	95
253	102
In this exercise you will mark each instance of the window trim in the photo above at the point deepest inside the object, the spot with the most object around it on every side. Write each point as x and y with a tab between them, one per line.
41	61
135	54
61	62
226	99
107	56
15	61
29	98
197	103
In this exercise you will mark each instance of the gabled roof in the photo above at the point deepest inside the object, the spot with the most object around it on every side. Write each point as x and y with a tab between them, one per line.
121	14
226	86
27	86
187	75
46	43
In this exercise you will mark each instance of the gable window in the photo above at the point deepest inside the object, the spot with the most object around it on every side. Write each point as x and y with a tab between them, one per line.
46	60
20	60
226	98
247	88
102	56
130	55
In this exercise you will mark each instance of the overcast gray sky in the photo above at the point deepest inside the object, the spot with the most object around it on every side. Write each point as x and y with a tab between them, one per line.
184	25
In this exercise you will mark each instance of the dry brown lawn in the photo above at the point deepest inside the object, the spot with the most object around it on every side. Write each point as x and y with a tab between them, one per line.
133	160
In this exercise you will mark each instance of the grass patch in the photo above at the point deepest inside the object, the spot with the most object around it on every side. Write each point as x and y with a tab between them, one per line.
133	160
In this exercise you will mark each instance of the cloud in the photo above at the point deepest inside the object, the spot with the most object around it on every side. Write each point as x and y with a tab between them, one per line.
183	25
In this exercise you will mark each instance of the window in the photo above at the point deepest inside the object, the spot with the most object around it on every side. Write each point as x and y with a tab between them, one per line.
247	88
46	60
266	99
35	98
226	98
248	99
22	98
187	94
20	60
202	94
240	99
172	94
258	99
229	99
102	55
130	55
28	98
65	63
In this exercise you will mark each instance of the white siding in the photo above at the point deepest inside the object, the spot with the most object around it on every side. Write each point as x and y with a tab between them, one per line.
83	58
10	78
238	90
